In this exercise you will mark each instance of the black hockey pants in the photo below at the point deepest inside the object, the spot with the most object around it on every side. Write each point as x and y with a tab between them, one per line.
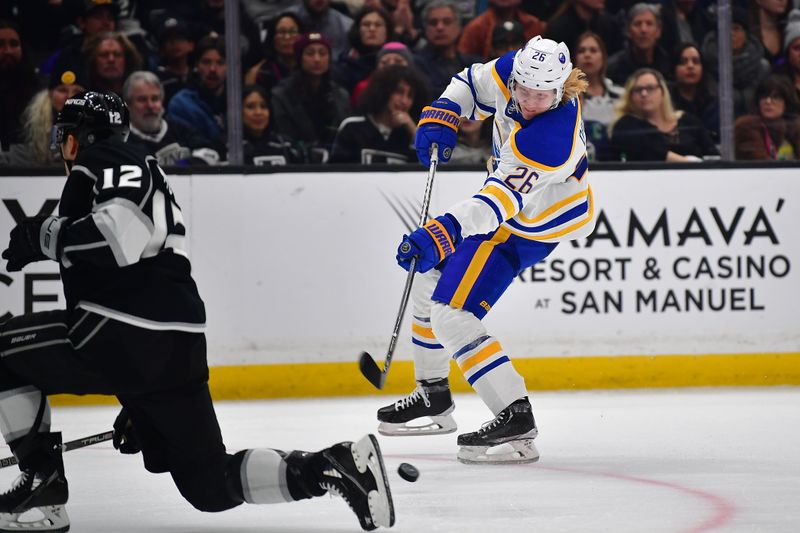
161	377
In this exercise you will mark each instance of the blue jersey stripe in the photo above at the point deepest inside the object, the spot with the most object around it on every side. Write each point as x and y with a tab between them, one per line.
575	212
494	364
497	212
426	345
517	196
471	346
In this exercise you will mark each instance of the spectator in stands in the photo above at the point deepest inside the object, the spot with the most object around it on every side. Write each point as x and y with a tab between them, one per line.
749	64
598	103
209	20
96	17
575	17
171	143
318	17
641	49
791	51
402	15
175	47
110	58
507	36
279	60
773	132
474	143
476	39
391	54
37	122
260	145
650	129
767	18
18	83
684	21
203	106
372	28
384	131
308	106
440	59
690	91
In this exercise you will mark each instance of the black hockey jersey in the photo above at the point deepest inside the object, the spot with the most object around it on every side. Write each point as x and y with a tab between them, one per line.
123	251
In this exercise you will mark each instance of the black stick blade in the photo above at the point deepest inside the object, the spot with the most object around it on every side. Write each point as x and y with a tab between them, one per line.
371	371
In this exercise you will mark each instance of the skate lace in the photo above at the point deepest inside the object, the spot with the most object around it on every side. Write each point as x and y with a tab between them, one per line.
413	398
490	425
333	490
19	483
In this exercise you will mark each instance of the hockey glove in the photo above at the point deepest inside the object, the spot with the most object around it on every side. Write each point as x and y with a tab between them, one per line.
33	239
438	123
124	438
430	244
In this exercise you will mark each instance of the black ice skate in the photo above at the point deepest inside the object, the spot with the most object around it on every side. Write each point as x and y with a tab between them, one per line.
514	426
430	401
41	488
354	471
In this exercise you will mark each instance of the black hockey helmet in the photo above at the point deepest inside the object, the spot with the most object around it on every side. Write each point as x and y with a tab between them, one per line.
92	116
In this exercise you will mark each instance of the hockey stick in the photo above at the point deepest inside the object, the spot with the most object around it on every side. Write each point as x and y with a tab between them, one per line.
366	363
67	446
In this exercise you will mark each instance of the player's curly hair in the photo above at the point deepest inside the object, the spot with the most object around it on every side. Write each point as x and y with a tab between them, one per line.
575	85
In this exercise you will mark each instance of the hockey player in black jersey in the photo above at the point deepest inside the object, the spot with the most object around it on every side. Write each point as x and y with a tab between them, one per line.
133	328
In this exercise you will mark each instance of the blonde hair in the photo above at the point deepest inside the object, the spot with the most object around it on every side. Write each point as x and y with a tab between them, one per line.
575	85
626	106
37	119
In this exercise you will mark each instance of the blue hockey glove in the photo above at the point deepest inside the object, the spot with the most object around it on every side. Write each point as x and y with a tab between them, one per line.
430	244
33	239
438	123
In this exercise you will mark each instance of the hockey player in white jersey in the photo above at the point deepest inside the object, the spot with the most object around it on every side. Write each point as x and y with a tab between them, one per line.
536	195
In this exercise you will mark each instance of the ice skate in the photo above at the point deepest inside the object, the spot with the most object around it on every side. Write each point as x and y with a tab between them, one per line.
506	439
353	471
426	411
35	501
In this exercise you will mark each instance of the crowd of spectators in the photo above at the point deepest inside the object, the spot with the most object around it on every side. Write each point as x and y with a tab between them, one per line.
343	81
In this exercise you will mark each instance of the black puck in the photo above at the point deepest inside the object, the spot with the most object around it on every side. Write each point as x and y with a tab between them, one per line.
408	472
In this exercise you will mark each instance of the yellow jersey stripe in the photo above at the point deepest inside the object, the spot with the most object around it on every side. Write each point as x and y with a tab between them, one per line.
479	357
476	266
499	82
423	331
553	208
495	192
531	162
589	216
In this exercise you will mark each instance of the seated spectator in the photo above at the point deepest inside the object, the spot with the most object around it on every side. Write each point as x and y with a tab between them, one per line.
385	130
38	119
171	143
598	103
575	17
476	39
279	59
643	30
474	143
506	37
110	58
791	51
317	16
390	54
773	132
767	18
308	106
403	21
684	21
175	47
372	28
260	146
690	91
649	128
203	106
18	83
749	64
440	60
208	19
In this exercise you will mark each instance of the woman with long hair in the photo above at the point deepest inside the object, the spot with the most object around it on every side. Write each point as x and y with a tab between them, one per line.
279	59
650	129
260	145
690	89
372	28
773	131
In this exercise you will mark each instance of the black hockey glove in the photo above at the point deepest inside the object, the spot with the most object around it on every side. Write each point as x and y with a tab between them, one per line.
33	239
124	438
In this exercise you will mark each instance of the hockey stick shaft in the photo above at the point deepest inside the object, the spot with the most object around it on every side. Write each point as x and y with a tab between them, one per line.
368	366
68	446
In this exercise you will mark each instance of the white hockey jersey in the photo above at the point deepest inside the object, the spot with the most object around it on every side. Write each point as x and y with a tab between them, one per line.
538	188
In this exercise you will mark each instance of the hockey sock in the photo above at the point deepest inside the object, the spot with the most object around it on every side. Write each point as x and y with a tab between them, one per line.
490	372
265	477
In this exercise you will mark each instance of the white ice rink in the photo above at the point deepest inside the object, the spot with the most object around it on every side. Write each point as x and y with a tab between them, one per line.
671	461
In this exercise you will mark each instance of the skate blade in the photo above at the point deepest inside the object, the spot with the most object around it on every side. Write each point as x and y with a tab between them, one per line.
513	452
367	455
49	519
438	425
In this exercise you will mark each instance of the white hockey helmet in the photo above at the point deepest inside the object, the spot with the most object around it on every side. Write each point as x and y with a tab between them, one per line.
543	64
